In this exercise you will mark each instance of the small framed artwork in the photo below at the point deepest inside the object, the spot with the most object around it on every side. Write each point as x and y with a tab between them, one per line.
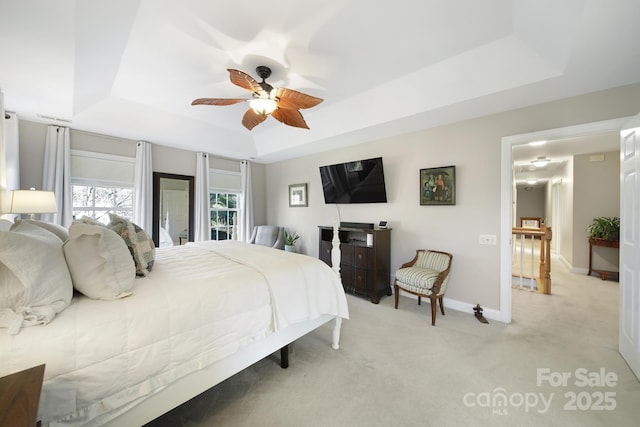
298	195
438	186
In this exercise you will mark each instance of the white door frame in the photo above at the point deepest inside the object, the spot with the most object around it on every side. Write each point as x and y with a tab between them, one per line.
506	200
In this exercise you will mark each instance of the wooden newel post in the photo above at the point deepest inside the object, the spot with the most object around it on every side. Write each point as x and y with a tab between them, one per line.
545	262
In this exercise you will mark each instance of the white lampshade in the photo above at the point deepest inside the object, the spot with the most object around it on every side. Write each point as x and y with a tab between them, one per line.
32	202
263	106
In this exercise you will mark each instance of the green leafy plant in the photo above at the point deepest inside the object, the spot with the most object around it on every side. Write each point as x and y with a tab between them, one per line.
290	237
604	227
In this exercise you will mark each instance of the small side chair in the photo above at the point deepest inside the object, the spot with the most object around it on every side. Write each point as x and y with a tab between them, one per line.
426	275
268	235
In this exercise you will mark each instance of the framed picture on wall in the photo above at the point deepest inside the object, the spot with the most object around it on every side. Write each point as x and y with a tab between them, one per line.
438	186
298	195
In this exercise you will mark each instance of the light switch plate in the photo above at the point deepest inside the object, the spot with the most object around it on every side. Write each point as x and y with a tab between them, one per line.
488	239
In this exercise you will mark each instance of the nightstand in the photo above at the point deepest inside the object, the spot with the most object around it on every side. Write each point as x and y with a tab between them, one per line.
19	397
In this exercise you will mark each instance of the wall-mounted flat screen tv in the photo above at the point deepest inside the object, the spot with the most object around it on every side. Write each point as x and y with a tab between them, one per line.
361	181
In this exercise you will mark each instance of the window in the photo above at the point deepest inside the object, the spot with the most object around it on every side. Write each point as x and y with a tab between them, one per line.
224	213
101	183
96	202
224	196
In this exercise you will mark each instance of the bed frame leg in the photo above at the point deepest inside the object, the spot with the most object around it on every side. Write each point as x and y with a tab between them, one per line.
336	333
284	357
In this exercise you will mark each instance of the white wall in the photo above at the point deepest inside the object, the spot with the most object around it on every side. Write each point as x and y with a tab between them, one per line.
474	147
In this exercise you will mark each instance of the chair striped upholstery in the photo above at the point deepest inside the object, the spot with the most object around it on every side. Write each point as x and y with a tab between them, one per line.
422	274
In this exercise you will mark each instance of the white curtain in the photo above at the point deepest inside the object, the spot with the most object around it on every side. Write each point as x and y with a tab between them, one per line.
202	215
56	175
143	188
9	158
245	222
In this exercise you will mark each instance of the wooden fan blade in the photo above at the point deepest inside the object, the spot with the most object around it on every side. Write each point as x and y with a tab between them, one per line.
216	101
294	100
252	119
290	117
244	80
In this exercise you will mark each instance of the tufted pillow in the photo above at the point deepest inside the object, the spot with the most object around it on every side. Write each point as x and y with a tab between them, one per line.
57	229
99	262
35	283
138	241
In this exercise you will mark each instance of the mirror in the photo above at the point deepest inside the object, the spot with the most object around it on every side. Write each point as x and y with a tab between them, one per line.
173	202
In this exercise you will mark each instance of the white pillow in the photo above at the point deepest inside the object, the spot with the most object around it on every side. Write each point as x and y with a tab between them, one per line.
35	283
99	261
57	229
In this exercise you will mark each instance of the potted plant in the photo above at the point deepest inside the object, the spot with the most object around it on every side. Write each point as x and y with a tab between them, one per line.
290	239
604	228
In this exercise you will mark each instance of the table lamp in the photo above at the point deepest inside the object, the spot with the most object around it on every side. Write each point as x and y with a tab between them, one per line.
32	202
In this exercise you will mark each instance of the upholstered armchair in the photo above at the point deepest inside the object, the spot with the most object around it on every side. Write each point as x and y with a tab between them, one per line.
268	235
426	275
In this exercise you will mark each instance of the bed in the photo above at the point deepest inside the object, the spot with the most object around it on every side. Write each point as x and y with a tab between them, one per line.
206	311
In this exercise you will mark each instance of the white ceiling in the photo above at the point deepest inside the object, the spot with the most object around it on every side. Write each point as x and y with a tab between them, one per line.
130	68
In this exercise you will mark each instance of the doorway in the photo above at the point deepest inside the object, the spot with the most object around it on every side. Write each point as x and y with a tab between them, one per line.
507	185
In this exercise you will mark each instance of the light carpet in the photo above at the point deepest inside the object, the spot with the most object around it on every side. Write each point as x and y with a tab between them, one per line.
395	369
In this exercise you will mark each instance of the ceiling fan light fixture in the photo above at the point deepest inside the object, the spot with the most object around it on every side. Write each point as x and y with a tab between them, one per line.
540	162
263	106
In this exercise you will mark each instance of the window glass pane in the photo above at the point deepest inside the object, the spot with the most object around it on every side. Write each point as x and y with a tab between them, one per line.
123	197
233	201
103	197
223	218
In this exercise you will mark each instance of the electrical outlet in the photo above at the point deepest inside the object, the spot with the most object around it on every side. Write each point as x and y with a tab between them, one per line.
488	239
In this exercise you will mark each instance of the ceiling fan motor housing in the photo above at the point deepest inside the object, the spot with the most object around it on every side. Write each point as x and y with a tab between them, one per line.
263	71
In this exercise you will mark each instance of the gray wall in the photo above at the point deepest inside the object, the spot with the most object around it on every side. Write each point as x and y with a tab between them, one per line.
597	193
165	159
474	147
531	203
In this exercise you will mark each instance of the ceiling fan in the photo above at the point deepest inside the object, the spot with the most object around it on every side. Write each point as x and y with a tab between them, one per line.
281	103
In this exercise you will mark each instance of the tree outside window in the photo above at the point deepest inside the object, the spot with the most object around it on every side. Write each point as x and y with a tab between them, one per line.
224	210
96	202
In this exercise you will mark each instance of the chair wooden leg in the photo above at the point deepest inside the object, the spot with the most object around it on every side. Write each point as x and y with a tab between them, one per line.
433	299
441	306
396	289
419	300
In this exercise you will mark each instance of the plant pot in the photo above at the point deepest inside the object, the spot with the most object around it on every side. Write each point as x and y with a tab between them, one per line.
289	248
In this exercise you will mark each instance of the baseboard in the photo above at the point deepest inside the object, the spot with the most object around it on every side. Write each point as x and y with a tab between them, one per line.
464	307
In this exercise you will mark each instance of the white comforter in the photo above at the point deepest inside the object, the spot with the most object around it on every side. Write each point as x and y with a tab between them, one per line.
202	302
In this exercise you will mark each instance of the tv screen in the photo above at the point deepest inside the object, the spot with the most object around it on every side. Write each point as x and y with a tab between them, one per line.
361	181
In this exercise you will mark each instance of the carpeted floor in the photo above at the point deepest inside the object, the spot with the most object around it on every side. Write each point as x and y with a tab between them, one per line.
395	369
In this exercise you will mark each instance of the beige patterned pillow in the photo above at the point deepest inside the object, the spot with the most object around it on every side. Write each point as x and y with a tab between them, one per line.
140	244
